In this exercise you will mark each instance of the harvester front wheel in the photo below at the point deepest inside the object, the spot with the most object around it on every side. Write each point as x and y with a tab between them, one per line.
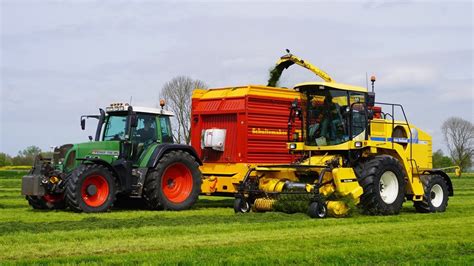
317	209
90	188
241	205
435	198
382	179
175	183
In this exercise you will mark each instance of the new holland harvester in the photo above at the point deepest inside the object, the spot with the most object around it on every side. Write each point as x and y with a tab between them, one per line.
326	142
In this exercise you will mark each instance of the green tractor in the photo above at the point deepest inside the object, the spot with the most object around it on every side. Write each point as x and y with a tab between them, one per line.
132	156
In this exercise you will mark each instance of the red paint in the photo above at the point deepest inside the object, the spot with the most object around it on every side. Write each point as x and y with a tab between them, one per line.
256	128
100	197
177	183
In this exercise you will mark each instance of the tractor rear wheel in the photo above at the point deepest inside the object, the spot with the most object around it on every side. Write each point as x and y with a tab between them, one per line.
174	184
90	188
382	179
435	198
47	202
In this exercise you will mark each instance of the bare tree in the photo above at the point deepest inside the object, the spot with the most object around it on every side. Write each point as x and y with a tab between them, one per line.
177	94
459	135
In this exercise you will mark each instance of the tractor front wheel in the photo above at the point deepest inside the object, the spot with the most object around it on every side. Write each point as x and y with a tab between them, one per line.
382	179
435	198
90	188
174	184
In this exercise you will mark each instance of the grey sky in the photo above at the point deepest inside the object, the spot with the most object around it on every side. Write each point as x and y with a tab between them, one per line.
61	59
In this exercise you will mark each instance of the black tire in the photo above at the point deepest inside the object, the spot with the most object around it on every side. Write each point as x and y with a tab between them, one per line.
241	205
156	195
40	203
76	185
317	210
434	187
377	199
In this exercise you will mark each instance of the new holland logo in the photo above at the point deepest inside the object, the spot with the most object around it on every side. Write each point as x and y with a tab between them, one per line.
105	152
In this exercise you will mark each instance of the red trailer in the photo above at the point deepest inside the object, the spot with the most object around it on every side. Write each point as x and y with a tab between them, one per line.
234	128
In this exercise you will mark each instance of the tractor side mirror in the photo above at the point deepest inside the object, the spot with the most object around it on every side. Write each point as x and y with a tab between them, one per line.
132	118
83	123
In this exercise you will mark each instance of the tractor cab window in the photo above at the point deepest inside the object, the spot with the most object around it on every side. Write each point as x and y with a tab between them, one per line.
115	127
326	124
145	132
165	125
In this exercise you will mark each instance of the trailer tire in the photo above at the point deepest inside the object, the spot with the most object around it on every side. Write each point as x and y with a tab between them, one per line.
435	198
90	188
174	184
382	179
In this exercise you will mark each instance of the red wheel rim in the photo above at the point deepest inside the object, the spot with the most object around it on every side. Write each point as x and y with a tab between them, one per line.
177	183
101	190
53	198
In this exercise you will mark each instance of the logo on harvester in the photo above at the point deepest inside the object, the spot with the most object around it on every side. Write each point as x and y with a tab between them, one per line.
349	180
266	131
105	152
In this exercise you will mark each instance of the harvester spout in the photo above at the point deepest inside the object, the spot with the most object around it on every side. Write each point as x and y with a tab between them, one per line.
287	61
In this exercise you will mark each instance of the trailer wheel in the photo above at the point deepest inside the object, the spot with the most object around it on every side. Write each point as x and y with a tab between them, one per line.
90	188
47	202
435	198
175	183
241	205
317	209
382	179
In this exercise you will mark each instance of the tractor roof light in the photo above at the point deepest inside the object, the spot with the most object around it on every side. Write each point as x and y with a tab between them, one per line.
116	107
162	103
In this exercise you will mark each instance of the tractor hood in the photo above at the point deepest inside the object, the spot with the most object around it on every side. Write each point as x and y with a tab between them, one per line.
104	150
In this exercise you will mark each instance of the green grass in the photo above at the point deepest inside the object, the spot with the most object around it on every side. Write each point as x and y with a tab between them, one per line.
212	234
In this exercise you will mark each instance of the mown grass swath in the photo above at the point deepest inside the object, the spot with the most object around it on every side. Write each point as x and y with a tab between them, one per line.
211	233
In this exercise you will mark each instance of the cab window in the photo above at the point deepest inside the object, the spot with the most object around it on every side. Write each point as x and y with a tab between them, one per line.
165	125
115	127
145	132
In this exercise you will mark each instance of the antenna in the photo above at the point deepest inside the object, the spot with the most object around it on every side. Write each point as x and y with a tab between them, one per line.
366	81
130	103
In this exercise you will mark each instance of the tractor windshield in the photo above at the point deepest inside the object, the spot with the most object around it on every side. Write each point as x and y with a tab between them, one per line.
115	127
330	120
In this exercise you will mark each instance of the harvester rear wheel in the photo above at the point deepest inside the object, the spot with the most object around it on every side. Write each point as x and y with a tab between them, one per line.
241	205
174	184
90	188
383	180
47	202
317	209
435	198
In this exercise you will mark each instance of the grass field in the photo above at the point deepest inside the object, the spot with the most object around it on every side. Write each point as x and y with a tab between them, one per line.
212	234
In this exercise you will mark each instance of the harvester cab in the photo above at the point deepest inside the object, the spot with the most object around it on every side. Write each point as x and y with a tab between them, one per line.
348	149
132	155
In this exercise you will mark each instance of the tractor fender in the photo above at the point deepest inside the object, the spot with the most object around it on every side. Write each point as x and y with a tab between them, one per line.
164	148
118	168
445	177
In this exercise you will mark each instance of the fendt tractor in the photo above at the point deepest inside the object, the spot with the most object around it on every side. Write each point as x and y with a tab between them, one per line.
326	142
132	155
